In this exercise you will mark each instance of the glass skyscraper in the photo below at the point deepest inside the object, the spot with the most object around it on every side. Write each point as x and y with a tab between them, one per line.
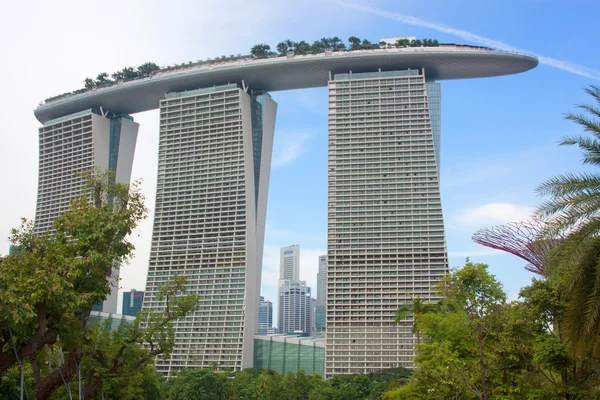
265	316
132	302
385	228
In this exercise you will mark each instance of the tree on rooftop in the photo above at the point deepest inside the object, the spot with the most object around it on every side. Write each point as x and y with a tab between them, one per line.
366	45
125	74
301	48
285	46
354	43
102	79
147	69
89	83
336	44
261	50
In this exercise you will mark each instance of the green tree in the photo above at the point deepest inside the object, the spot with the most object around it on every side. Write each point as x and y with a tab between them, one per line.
573	206
284	47
126	74
89	83
114	356
50	283
354	43
147	69
456	360
366	45
336	44
199	384
261	50
102	79
301	48
415	309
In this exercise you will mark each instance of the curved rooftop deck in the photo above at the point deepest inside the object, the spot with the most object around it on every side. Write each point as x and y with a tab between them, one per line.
292	72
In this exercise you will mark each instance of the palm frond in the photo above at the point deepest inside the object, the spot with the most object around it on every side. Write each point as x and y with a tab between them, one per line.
590	147
588	124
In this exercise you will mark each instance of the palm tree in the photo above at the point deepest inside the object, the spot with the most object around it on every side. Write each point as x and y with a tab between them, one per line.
416	308
573	207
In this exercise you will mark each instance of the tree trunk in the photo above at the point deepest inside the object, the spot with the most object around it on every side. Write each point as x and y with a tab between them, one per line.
47	386
482	367
91	387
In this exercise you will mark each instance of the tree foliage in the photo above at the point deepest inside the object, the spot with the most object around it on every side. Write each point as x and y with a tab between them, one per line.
572	209
50	282
477	346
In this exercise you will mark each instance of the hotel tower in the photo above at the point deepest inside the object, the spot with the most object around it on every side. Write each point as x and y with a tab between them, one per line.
385	236
385	228
214	159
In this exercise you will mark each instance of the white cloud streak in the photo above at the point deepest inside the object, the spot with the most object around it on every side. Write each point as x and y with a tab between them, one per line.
289	146
472	37
494	213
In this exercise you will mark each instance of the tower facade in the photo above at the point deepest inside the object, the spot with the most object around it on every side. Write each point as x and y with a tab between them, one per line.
74	144
265	316
132	302
289	263
213	172
295	307
321	306
385	228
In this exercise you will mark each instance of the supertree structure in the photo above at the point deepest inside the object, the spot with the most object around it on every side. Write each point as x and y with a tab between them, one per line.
523	239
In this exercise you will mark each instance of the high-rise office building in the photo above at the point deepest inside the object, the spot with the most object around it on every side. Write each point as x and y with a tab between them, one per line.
213	171
74	144
295	308
132	302
385	227
265	316
321	306
289	263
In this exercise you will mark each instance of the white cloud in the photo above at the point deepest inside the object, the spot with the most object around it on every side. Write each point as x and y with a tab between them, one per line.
494	213
289	146
472	37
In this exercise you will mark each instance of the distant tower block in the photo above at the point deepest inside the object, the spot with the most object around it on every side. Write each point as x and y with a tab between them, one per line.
385	228
289	263
214	149
74	144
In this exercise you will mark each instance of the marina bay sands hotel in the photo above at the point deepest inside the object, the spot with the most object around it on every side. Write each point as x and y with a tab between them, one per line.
385	231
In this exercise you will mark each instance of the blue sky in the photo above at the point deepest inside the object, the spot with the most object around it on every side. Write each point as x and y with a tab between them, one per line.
499	135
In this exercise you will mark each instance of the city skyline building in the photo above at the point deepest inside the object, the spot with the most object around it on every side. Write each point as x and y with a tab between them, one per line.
386	236
132	302
289	263
385	229
74	144
295	308
265	316
321	306
213	172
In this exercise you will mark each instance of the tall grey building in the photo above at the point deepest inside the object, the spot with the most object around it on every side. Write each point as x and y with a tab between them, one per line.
289	263
321	306
265	316
74	144
385	227
295	307
214	159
